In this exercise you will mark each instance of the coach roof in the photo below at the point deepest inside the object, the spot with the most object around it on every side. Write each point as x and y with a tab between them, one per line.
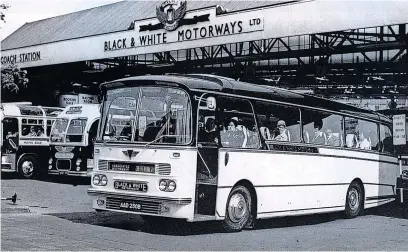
213	83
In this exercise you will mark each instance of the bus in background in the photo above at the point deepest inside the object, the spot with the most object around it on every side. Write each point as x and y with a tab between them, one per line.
72	140
235	152
25	137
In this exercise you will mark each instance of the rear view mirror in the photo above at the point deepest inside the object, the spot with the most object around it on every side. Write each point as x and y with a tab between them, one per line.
211	103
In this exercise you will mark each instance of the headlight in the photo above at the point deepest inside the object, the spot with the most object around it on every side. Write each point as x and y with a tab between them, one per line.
78	162
96	180
50	161
172	186
167	185
104	180
100	180
162	185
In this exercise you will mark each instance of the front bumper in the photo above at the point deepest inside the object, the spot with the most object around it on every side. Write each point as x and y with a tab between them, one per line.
87	173
8	163
176	201
180	208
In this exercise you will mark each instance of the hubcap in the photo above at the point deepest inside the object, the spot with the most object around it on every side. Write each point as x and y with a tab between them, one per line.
237	207
354	199
27	167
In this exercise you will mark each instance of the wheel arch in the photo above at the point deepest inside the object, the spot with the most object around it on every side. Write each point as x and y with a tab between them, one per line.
35	155
248	184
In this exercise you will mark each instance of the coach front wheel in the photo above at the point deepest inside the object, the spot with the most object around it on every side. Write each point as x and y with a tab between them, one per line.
27	166
238	212
354	200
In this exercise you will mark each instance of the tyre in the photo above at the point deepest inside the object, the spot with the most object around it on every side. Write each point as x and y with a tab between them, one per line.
238	212
354	200
28	166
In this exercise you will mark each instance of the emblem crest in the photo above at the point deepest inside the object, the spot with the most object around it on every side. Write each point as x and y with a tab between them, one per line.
170	12
130	153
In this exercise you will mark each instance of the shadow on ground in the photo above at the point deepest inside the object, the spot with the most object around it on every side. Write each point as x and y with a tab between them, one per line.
394	209
134	222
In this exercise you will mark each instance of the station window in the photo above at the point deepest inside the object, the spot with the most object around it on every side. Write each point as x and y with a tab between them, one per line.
278	122
237	124
361	134
322	128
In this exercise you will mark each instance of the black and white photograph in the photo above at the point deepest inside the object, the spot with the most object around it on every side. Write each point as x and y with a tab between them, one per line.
192	125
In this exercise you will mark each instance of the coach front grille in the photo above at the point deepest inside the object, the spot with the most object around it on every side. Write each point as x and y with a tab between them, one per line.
146	206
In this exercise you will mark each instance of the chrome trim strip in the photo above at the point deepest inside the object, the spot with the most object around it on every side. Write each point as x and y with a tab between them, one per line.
71	173
308	154
136	146
178	201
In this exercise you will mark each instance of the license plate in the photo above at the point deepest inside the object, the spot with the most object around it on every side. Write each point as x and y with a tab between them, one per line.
131	186
68	155
63	172
130	206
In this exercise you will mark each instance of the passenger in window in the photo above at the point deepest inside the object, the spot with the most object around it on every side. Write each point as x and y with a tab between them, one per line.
364	143
265	133
319	136
210	133
233	137
253	137
282	134
40	132
387	143
32	132
244	130
332	140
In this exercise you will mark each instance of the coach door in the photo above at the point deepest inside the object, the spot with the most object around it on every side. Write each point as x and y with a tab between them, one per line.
207	157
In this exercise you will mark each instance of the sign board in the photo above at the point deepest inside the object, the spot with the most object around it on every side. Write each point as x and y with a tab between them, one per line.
74	110
399	130
87	99
72	99
66	100
192	30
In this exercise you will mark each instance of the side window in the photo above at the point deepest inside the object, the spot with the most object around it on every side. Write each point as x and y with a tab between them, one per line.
49	126
208	129
238	127
32	128
322	128
386	139
278	122
361	134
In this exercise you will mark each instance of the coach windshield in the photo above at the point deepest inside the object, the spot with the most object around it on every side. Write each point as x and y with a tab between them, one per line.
147	114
